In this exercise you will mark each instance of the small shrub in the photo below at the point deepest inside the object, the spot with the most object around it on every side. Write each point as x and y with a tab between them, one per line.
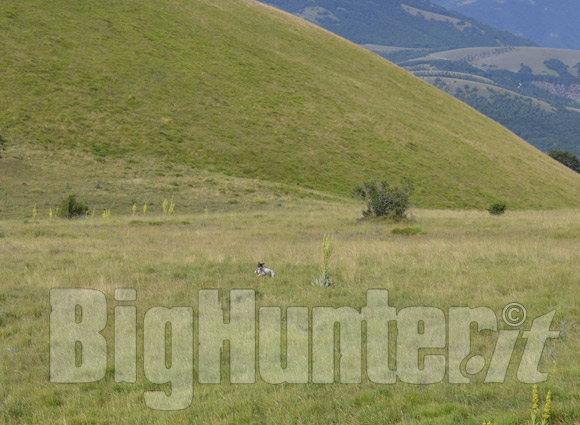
2	146
497	208
384	201
70	208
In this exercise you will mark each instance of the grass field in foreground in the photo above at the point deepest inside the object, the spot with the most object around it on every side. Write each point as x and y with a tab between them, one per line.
457	259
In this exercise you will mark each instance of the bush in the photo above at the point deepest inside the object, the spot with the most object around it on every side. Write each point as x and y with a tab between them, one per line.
2	146
70	207
384	201
497	208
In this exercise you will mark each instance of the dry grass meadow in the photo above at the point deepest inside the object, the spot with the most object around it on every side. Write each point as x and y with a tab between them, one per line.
437	258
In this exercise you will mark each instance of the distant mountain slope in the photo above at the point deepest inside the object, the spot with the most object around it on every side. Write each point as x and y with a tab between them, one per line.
402	23
534	91
547	22
513	58
240	88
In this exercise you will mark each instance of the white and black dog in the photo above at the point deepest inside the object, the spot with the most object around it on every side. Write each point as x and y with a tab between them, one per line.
264	271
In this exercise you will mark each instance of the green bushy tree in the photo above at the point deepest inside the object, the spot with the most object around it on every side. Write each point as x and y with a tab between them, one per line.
568	159
70	207
383	200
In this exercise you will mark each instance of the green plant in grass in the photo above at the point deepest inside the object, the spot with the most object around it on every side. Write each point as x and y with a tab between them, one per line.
406	231
327	248
544	419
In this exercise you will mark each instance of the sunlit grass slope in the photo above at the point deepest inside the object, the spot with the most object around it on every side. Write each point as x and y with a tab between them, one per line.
237	87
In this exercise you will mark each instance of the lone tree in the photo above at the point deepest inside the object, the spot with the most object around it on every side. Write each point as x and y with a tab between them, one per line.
568	159
384	201
70	207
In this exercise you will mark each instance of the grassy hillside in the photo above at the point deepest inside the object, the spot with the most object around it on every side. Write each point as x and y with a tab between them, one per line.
239	88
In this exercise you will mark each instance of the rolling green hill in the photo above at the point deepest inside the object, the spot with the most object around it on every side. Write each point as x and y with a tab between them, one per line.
237	88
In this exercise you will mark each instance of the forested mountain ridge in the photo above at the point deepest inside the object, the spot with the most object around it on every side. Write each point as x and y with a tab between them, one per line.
400	23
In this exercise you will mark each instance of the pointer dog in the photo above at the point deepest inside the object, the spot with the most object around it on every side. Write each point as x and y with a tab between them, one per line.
264	271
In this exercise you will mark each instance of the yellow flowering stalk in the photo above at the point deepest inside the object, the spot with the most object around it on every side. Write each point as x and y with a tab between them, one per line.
144	209
547	407
171	207
165	206
327	248
34	211
535	404
134	209
50	212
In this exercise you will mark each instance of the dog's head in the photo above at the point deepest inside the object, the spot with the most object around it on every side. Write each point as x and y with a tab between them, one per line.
260	265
